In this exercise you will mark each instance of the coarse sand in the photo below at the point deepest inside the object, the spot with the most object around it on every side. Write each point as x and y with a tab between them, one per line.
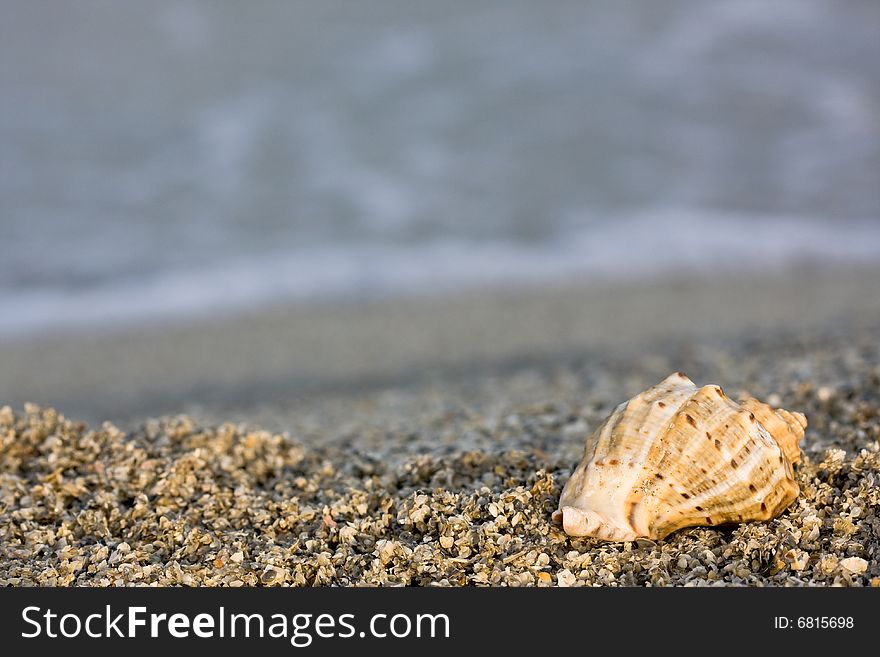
445	482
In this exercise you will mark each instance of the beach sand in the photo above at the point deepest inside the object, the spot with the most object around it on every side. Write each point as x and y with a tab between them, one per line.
408	443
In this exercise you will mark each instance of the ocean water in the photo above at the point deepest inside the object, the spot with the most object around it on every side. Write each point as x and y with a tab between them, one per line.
168	159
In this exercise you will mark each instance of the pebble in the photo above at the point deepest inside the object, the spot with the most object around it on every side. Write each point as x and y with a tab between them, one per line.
565	578
825	393
854	565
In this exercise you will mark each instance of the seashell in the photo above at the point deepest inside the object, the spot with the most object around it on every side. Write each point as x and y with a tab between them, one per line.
678	456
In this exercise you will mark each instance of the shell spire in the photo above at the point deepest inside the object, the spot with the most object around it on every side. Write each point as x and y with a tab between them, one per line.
678	455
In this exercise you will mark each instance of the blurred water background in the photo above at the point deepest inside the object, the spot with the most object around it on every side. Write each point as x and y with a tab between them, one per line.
171	158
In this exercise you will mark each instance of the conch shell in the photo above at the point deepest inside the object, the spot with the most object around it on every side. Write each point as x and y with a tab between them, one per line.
678	456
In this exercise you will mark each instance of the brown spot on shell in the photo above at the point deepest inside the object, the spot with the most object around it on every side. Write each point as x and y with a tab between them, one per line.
690	419
733	463
661	404
717	444
613	462
658	475
752	417
708	435
698	508
631	513
719	391
708	520
686	496
752	488
763	507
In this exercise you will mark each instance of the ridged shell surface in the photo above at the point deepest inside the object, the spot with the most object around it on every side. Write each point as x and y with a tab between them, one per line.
678	455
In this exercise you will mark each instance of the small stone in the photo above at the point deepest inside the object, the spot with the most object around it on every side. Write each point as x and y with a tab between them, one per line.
385	550
238	557
545	578
854	565
798	559
828	564
447	542
564	578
